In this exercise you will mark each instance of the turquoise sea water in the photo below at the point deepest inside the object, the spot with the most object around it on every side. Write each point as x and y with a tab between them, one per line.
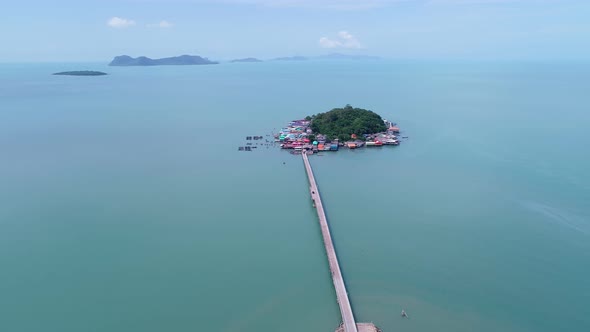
125	205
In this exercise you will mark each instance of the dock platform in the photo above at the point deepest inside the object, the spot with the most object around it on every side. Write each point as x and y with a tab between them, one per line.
362	327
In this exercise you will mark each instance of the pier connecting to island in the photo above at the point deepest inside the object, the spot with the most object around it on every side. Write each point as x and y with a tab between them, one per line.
341	127
348	322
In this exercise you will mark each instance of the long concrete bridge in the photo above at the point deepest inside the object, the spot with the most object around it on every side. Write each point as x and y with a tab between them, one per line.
348	322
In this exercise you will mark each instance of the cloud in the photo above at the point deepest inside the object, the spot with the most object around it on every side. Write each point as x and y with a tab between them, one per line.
344	40
165	24
119	23
162	24
326	42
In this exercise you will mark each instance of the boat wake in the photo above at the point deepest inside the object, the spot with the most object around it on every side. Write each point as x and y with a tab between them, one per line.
559	216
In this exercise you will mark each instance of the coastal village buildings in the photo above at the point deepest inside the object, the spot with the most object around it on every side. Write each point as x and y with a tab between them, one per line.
298	136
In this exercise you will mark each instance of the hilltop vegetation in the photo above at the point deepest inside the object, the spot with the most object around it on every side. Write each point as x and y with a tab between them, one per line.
341	123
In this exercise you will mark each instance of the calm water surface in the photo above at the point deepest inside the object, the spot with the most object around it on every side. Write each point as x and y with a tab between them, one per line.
125	205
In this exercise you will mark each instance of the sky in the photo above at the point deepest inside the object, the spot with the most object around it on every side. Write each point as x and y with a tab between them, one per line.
98	30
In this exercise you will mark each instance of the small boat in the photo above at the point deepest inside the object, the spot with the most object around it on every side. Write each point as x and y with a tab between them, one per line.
391	142
404	315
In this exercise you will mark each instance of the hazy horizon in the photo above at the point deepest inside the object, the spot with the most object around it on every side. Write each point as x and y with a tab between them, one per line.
87	31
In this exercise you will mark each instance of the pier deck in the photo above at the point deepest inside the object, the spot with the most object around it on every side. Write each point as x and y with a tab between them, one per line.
348	323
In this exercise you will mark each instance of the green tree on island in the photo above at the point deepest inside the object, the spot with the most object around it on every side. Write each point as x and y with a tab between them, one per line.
341	123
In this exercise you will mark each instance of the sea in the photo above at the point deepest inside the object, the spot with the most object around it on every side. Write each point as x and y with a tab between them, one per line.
125	205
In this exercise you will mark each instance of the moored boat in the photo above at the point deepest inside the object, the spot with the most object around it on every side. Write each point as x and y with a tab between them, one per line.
391	142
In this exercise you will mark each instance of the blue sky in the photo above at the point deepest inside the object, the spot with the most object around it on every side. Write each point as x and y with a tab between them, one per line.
68	30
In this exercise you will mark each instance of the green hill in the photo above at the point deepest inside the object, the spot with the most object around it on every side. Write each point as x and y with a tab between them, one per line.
343	122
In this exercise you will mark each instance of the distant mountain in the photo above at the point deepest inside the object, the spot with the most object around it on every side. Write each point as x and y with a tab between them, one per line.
247	60
81	73
291	58
339	56
183	60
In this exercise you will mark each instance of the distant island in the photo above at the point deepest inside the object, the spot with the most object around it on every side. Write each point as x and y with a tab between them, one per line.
332	56
81	73
291	58
247	60
183	60
340	56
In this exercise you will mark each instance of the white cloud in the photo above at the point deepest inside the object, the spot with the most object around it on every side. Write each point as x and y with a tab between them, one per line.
349	41
165	24
162	24
119	23
344	40
326	42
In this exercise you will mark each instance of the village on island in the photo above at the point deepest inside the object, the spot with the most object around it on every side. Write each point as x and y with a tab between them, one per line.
347	127
299	137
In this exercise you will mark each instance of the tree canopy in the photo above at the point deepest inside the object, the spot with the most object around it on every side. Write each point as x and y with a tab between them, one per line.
343	122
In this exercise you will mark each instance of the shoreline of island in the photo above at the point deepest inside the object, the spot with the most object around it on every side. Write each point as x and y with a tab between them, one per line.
348	127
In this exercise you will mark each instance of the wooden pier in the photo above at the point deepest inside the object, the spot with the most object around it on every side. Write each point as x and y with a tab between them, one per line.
348	322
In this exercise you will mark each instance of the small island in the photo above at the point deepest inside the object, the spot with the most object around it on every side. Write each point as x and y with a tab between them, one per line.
247	60
349	127
81	73
291	58
183	60
340	56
